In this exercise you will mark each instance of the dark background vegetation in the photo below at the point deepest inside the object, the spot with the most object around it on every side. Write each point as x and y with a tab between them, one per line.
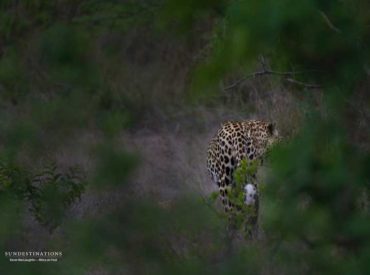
107	108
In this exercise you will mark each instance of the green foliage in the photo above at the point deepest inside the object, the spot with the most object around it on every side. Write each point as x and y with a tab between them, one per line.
334	46
185	14
213	196
243	175
113	166
314	200
241	213
64	51
49	192
245	172
53	192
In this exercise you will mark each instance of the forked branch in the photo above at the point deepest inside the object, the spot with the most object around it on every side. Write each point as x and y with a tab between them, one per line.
287	76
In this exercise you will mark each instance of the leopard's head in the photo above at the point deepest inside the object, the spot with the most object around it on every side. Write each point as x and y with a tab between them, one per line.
266	136
273	136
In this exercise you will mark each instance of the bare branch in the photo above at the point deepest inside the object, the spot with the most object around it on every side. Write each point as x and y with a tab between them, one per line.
329	23
306	85
269	72
239	81
265	71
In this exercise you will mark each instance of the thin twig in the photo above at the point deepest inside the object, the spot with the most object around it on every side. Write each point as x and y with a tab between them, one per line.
329	23
306	85
255	74
269	72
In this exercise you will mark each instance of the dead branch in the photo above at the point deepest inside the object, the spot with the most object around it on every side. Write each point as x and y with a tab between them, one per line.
288	76
306	85
329	23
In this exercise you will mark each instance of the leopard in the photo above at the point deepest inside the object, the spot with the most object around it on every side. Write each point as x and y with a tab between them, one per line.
235	142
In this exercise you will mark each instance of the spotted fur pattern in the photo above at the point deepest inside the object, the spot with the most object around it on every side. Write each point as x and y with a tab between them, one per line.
234	142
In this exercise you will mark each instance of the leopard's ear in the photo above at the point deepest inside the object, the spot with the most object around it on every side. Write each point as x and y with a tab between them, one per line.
271	128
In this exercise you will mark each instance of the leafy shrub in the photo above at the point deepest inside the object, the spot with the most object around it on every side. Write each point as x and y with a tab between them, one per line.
244	214
49	192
